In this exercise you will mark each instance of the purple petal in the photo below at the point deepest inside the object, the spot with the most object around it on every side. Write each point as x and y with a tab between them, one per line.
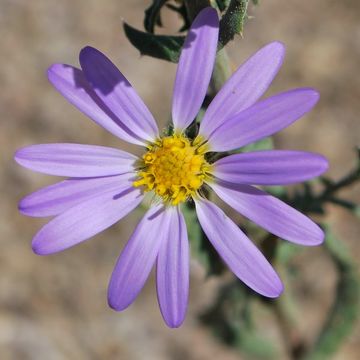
118	95
262	119
71	83
195	68
244	87
138	257
173	271
85	220
75	160
273	167
237	251
270	213
59	197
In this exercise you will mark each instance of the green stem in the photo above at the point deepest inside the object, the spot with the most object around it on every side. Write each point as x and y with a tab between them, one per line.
345	309
347	180
308	202
286	314
222	71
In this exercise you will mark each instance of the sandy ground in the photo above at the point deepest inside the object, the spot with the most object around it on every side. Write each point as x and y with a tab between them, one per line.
55	307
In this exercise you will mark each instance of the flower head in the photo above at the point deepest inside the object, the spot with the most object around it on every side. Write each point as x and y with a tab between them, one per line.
174	167
105	184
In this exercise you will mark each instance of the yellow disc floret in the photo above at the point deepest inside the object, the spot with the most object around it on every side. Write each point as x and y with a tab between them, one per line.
174	167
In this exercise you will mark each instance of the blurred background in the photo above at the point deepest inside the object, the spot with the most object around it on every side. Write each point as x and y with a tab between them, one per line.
55	307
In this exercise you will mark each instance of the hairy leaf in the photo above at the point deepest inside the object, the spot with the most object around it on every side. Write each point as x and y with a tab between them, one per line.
232	22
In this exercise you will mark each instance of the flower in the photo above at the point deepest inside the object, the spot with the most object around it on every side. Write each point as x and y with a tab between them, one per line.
105	184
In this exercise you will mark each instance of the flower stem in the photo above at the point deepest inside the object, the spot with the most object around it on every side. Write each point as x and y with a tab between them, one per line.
222	71
347	180
345	309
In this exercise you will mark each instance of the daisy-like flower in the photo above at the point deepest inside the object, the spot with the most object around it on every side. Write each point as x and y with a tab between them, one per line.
105	184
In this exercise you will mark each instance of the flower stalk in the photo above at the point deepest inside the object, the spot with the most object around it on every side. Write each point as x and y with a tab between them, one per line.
222	71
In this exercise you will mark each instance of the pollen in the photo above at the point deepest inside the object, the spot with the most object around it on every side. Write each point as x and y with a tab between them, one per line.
174	168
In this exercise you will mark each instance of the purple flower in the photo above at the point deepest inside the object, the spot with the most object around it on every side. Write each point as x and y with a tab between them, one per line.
105	184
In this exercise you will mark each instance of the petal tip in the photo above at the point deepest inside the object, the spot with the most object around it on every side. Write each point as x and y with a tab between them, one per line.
209	13
22	206
44	245
321	163
60	76
56	72
173	319
206	17
87	53
318	237
17	155
279	46
115	304
20	156
274	50
115	299
51	70
315	94
38	249
40	244
25	208
307	96
312	94
324	164
277	288
174	324
112	304
87	49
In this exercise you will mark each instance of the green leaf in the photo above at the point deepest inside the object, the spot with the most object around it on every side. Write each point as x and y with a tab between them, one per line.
169	47
182	11
152	15
158	46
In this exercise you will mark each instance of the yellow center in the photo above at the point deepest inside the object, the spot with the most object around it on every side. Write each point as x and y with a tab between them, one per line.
174	168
